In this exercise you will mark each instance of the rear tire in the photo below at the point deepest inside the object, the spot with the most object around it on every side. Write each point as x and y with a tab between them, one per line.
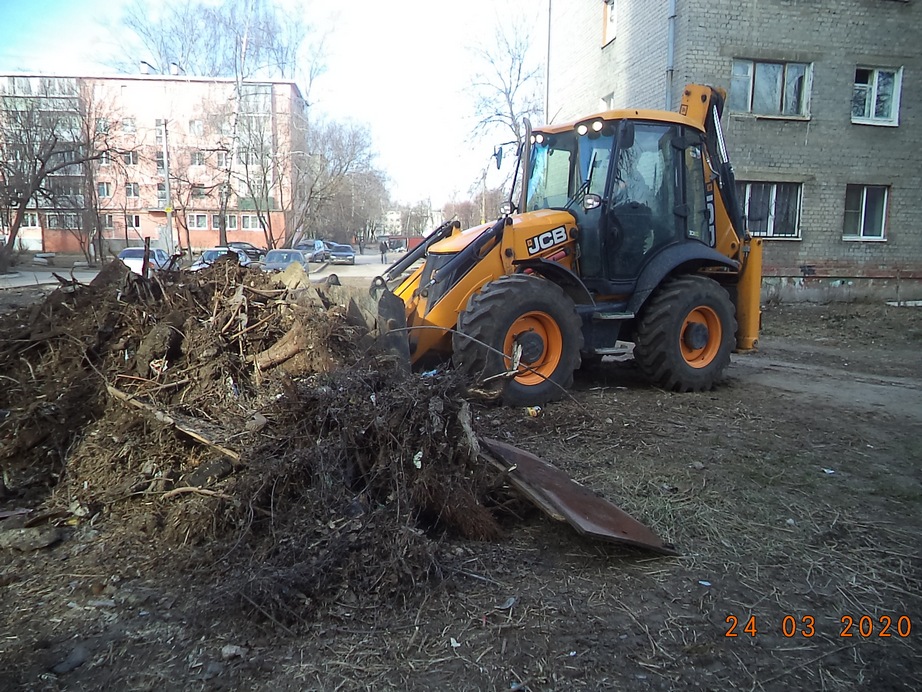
685	334
534	314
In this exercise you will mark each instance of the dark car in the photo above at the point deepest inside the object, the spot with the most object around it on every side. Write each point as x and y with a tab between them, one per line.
342	254
209	257
279	260
316	250
253	252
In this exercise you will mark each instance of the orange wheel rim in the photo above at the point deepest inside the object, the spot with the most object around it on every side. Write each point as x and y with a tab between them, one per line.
701	337
541	342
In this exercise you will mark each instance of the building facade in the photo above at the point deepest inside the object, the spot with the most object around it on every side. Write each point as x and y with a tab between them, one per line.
178	160
823	117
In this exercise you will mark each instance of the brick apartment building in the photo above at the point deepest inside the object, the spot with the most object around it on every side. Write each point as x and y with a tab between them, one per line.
180	151
823	119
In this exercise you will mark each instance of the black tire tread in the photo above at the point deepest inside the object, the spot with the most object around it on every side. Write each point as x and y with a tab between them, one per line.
482	321
656	337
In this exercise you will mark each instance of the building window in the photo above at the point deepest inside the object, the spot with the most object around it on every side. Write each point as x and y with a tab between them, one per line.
105	220
230	220
771	210
132	190
104	158
128	125
63	221
770	88
198	191
250	222
196	128
609	28
865	212
159	127
223	159
104	189
197	221
250	157
197	158
159	159
130	158
30	220
161	192
102	126
876	96
133	220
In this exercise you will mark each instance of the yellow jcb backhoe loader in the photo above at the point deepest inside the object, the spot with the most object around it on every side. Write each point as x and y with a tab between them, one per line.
627	229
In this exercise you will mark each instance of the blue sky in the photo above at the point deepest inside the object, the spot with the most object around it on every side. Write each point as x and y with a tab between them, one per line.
402	66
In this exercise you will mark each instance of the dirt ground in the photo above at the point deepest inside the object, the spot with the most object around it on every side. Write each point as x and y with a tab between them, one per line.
793	493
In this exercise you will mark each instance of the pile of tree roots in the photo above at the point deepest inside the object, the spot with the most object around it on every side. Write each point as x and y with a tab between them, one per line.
246	427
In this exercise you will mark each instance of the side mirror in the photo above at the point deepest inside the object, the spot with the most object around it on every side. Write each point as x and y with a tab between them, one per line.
498	155
592	201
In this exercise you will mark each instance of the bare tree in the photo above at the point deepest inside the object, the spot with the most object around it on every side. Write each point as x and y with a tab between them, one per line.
50	133
335	151
236	38
507	88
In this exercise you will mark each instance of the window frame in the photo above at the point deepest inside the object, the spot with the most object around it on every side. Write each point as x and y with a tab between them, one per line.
133	220
609	21
231	221
246	218
894	119
862	220
192	219
130	158
132	190
744	196
197	157
103	189
751	76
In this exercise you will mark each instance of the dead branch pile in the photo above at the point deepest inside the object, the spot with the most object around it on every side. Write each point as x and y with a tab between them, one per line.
243	426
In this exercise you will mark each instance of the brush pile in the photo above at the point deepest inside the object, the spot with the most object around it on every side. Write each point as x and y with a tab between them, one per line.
243	426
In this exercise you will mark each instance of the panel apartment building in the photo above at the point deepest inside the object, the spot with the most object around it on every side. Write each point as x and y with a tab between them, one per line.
180	158
823	118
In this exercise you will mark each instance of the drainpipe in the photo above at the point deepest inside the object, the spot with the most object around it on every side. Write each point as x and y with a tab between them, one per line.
670	52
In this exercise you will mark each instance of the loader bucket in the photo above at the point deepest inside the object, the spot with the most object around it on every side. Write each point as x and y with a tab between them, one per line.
381	312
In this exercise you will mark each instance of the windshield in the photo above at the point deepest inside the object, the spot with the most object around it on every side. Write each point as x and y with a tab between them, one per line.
554	180
283	256
212	255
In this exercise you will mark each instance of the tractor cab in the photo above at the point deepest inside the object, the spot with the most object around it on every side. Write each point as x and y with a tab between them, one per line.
635	185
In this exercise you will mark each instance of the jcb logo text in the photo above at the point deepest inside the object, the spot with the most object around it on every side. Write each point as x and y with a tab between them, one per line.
546	240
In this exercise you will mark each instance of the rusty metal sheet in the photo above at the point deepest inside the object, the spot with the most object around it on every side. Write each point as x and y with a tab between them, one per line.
562	498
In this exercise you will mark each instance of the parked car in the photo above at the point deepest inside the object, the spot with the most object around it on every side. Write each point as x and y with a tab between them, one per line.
279	260
342	254
133	258
209	257
254	253
316	250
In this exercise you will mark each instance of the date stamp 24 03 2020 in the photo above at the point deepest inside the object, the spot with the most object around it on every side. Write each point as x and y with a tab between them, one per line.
805	626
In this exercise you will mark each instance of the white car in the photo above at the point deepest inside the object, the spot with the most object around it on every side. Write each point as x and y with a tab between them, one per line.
133	258
209	257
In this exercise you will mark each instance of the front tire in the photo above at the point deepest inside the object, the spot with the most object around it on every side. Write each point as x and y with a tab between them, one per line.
524	314
685	334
